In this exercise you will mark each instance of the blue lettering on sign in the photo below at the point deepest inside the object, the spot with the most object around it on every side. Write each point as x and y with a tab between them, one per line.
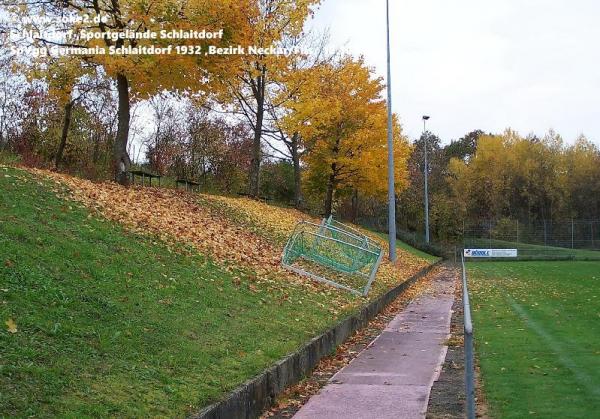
481	253
478	253
491	253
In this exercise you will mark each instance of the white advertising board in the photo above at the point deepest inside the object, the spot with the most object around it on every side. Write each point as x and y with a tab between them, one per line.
491	253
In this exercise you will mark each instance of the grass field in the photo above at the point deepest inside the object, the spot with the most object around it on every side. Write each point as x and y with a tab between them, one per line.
99	321
535	251
537	334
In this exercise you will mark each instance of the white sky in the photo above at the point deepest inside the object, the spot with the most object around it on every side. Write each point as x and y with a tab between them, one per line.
527	64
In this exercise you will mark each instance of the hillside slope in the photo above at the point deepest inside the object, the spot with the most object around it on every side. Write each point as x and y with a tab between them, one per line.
241	231
145	302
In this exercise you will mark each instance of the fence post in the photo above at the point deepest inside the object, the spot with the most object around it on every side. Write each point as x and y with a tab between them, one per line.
517	231
545	234
592	228
572	233
490	233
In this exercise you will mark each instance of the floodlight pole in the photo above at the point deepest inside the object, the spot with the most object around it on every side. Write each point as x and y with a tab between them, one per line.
390	141
426	173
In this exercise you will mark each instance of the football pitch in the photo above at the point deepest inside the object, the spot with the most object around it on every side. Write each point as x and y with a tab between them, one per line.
537	336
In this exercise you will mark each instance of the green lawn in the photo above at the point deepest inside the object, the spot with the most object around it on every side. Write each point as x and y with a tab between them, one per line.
537	333
113	324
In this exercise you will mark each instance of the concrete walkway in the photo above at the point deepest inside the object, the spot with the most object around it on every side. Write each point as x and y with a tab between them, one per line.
392	378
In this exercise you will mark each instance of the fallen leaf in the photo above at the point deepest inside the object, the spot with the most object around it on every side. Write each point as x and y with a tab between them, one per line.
11	325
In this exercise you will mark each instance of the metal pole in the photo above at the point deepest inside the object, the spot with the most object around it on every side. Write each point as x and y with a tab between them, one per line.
390	141
426	172
572	234
469	361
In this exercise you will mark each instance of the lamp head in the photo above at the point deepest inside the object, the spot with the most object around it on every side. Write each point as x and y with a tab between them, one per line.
425	117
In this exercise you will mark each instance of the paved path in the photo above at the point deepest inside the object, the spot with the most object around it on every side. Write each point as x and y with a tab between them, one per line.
392	378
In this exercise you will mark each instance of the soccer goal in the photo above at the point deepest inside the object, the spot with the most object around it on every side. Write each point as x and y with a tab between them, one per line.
333	253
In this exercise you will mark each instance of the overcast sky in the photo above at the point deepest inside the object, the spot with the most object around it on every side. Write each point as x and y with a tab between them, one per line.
527	64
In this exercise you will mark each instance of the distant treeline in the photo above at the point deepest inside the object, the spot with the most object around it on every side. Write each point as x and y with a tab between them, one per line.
505	176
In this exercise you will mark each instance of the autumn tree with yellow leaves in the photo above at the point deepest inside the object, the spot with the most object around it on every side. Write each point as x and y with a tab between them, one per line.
341	116
139	76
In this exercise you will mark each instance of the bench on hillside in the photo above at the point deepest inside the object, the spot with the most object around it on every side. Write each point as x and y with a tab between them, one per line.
144	175
188	184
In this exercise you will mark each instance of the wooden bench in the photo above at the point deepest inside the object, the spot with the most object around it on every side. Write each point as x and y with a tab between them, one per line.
189	184
144	175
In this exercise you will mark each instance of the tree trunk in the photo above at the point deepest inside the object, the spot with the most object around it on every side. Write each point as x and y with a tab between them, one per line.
121	159
297	174
259	95
96	153
354	205
255	162
3	140
65	133
330	190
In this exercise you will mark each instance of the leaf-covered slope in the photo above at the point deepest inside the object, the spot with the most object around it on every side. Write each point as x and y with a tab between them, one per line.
239	231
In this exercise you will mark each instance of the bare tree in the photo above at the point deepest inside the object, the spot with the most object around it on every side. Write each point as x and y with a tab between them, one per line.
284	143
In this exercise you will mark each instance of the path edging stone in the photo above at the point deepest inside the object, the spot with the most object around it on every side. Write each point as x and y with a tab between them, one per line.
249	400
